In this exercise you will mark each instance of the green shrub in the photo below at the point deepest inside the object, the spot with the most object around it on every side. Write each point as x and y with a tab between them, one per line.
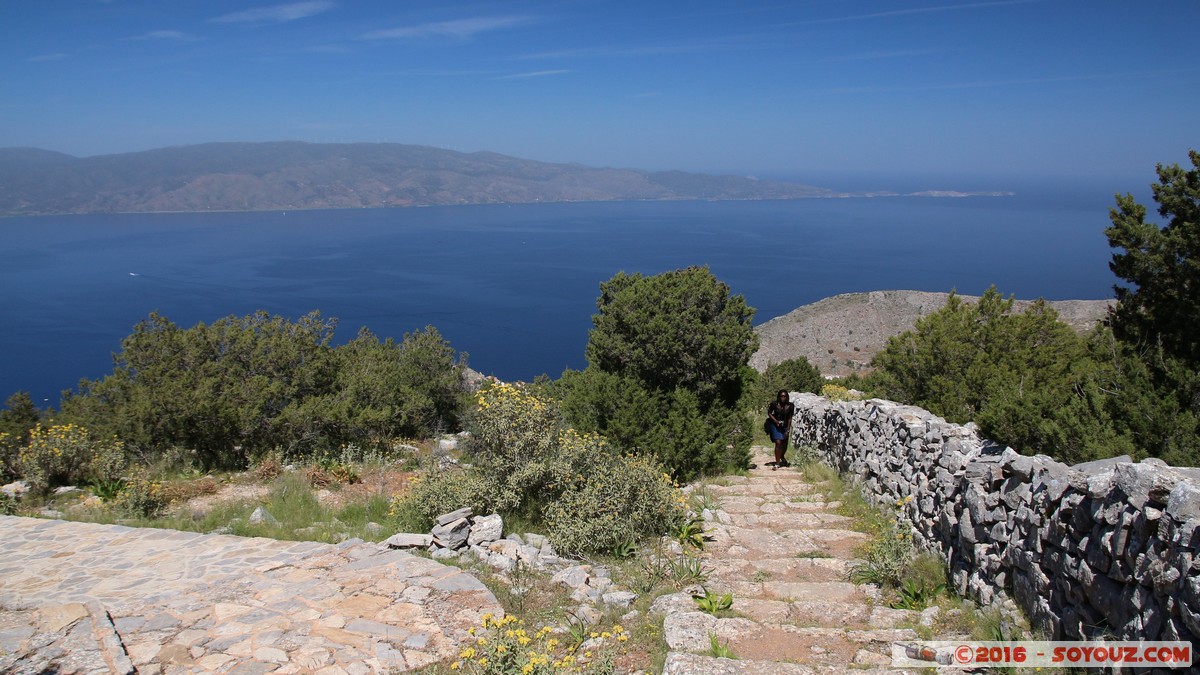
435	494
667	371
1030	382
515	446
108	490
10	452
141	497
674	426
924	580
17	419
791	374
526	465
293	502
619	498
8	505
691	533
836	392
63	454
231	391
686	570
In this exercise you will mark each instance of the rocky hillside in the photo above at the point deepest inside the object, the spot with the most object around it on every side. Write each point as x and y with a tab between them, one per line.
292	175
840	335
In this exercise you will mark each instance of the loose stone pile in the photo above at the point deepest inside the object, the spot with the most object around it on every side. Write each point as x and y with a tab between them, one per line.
461	534
1105	548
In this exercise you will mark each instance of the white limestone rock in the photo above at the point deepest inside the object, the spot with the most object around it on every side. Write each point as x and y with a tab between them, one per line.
408	540
262	517
486	529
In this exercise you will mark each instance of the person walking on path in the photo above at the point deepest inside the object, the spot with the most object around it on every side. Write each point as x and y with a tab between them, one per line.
779	416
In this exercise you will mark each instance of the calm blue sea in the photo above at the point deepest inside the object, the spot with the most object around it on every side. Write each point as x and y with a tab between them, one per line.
515	286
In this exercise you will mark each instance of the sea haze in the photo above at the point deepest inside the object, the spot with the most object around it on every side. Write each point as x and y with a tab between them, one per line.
515	286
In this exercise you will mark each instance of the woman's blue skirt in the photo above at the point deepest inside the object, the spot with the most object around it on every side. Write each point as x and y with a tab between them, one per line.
776	432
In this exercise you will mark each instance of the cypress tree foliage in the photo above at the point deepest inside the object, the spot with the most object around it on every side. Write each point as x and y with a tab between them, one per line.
229	391
218	390
791	374
1156	354
18	417
1131	387
385	390
1161	306
668	359
679	329
1026	378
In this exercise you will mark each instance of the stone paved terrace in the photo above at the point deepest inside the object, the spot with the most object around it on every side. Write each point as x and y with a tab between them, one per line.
86	598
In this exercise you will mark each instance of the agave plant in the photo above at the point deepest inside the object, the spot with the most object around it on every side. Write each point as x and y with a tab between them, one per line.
692	533
711	603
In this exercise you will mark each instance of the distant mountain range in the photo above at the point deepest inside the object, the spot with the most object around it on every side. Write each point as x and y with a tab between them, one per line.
294	175
840	335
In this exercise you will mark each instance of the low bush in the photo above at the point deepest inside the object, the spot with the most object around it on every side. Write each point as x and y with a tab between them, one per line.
505	646
435	494
8	505
141	497
176	491
620	499
526	465
65	454
836	392
17	419
791	374
268	467
516	448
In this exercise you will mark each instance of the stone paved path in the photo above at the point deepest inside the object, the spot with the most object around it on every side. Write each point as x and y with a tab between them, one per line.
85	598
783	553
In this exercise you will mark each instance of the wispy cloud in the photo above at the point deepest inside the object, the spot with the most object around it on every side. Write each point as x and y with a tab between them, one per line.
277	13
57	56
628	51
458	29
169	35
913	10
980	84
880	55
536	73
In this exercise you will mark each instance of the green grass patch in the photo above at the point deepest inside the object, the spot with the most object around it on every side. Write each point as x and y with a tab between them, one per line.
291	501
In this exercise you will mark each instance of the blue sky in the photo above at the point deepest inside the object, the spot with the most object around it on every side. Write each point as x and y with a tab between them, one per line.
788	88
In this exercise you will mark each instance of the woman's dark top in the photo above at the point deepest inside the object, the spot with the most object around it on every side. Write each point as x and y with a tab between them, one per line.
782	412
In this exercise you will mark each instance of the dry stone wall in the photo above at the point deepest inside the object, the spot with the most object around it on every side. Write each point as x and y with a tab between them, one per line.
1106	548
